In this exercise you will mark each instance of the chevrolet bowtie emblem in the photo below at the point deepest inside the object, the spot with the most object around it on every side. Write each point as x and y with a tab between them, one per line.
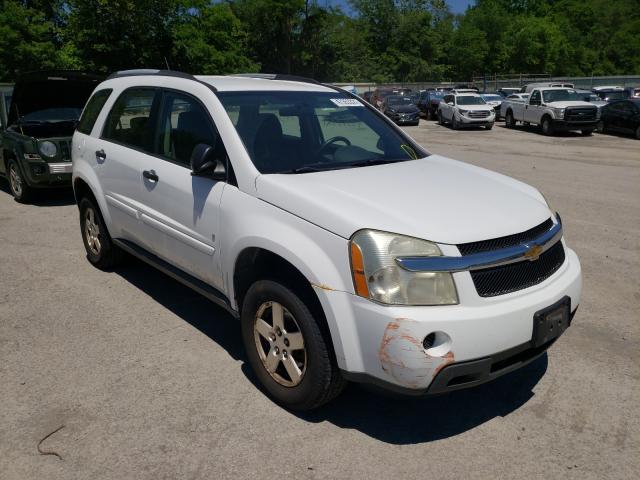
533	253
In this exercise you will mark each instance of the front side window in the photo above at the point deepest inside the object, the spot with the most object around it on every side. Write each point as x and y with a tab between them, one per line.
92	110
535	97
299	132
184	123
129	122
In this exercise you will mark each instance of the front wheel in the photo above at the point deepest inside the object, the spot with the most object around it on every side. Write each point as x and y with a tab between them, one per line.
19	188
587	132
489	127
547	127
454	123
286	347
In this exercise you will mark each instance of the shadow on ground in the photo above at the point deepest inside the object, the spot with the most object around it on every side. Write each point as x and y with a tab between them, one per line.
388	418
537	130
54	197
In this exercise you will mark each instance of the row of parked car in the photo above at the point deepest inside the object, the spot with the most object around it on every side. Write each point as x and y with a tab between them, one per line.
270	196
553	106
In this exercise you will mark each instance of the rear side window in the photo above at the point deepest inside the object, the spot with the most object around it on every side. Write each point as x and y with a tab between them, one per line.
92	110
184	124
129	121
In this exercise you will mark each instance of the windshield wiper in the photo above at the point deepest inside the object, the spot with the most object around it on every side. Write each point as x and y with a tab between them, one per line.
375	161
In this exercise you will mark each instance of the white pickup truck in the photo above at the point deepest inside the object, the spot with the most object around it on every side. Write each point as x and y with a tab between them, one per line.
554	109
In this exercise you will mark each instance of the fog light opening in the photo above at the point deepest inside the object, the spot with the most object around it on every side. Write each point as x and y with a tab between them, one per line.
437	344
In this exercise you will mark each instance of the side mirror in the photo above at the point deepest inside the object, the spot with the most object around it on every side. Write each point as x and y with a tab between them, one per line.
205	164
450	103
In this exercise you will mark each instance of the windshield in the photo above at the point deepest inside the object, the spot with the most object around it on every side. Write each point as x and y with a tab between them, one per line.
492	98
52	115
470	100
618	95
398	100
567	95
299	132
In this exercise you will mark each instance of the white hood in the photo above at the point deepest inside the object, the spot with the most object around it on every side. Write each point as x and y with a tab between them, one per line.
484	107
565	104
434	198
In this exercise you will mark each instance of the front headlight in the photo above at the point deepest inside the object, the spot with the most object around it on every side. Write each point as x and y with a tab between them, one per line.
463	112
48	149
559	112
377	276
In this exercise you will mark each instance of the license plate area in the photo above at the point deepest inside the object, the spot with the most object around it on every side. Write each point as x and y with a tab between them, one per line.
551	322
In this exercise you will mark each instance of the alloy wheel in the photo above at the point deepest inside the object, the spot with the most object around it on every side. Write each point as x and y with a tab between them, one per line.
15	179
280	344
92	231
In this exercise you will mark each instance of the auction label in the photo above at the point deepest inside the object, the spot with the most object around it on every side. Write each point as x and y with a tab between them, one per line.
347	102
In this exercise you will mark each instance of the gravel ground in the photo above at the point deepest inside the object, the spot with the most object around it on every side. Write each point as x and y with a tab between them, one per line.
148	380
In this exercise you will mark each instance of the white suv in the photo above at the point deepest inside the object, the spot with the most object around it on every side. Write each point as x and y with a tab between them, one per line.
346	250
466	110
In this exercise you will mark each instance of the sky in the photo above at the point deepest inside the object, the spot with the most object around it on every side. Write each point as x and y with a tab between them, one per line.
456	6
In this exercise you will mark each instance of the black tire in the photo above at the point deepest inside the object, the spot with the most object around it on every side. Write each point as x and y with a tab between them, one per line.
454	123
638	132
439	118
320	381
18	186
509	121
103	255
587	132
600	128
489	127
547	126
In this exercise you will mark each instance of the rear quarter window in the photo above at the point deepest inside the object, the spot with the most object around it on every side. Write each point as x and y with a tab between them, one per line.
92	110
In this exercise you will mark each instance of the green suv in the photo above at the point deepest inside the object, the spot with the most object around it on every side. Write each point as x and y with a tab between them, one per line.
36	129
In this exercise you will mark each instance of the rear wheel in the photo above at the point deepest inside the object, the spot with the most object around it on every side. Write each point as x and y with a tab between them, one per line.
17	184
509	121
286	347
101	251
638	132
547	127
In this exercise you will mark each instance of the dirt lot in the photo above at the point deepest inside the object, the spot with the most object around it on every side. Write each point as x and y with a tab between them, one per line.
147	379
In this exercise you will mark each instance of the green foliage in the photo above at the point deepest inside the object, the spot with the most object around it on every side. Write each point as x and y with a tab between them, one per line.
381	40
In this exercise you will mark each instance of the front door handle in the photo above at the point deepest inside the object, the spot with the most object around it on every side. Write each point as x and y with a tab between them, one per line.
150	175
100	155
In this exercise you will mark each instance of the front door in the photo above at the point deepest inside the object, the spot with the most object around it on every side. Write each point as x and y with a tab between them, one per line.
532	108
181	209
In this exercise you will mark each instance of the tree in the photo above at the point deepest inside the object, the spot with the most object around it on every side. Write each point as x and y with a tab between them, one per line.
210	39
26	40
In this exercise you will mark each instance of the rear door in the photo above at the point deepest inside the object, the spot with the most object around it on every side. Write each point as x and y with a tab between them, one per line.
126	144
183	210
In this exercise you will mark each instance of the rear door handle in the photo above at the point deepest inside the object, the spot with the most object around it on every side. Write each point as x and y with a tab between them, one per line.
100	155
150	175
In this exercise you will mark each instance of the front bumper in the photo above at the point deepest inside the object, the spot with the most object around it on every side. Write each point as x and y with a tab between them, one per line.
465	121
384	344
41	174
403	119
574	125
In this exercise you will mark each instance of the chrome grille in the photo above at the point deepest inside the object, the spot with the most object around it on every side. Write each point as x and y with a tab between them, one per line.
508	241
478	114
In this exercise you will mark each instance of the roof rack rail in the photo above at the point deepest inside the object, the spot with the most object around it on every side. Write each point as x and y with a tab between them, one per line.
150	71
277	76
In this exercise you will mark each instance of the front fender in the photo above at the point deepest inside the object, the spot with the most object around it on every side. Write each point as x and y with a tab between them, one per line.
321	256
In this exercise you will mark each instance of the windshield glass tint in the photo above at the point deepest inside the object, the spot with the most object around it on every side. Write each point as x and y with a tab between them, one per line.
492	98
287	132
562	96
613	95
398	100
53	115
470	100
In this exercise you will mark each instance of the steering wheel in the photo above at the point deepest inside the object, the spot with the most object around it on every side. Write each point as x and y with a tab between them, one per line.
331	141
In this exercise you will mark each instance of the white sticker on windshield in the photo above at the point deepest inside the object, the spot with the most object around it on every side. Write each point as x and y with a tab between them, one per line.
347	102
